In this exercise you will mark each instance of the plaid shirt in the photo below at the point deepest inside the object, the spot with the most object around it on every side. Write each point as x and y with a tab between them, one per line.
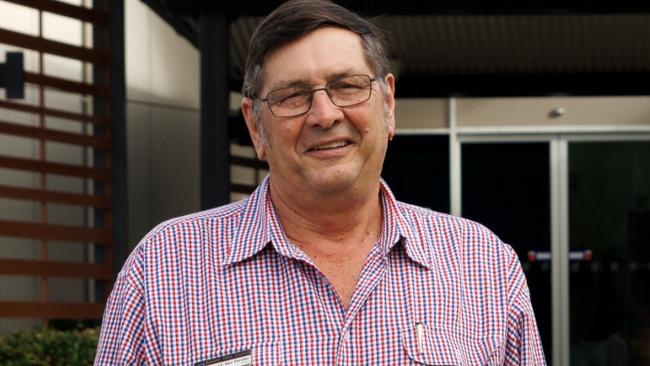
434	290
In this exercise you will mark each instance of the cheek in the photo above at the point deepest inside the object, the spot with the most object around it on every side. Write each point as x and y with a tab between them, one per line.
363	121
283	138
374	124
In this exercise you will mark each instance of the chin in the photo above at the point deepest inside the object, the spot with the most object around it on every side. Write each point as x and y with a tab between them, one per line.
333	181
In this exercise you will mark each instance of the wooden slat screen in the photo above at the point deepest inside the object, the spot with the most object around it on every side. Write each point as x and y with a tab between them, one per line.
53	47
54	168
102	143
54	232
95	16
50	268
55	197
66	85
53	112
254	166
90	133
50	310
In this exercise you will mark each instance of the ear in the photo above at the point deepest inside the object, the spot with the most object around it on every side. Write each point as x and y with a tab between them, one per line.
389	80
253	127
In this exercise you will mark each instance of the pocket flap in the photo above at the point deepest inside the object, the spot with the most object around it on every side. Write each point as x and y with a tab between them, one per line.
446	347
437	347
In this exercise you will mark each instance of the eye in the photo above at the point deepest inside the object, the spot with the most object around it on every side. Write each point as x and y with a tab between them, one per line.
293	96
346	85
349	86
295	100
288	96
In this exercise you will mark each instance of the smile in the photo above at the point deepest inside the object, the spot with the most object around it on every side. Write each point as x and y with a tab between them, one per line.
330	146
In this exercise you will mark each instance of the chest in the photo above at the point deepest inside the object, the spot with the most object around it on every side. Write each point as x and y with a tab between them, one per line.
288	314
343	276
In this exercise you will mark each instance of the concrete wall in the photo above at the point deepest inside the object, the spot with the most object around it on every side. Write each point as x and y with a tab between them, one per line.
162	77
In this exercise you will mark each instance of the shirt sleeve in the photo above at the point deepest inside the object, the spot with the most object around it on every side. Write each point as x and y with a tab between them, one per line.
523	344
121	339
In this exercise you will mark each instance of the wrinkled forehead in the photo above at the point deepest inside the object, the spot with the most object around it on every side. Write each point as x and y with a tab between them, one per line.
315	58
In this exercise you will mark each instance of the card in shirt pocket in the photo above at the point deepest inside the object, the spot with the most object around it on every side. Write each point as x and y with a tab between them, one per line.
444	347
244	355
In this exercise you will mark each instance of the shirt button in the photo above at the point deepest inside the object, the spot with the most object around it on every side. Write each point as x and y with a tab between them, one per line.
345	336
459	355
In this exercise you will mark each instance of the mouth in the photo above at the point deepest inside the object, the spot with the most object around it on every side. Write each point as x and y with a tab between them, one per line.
330	146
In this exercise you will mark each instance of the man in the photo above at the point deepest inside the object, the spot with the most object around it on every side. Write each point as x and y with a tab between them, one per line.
321	265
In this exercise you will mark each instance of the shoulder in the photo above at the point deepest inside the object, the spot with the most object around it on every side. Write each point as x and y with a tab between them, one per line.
444	233
183	237
196	223
457	227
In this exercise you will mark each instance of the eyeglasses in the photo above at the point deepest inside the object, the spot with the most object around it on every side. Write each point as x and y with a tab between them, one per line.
296	100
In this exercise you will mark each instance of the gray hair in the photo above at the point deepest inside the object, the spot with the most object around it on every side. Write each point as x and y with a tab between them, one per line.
296	18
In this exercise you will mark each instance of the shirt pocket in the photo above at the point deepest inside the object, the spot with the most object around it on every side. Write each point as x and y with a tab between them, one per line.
260	354
444	347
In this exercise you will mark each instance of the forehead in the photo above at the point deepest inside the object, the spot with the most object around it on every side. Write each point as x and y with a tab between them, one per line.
315	58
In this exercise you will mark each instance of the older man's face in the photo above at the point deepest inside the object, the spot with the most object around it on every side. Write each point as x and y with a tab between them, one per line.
330	149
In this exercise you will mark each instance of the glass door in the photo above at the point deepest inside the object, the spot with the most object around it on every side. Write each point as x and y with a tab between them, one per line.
506	187
609	243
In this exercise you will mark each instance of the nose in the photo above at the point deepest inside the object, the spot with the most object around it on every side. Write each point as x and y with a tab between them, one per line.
323	112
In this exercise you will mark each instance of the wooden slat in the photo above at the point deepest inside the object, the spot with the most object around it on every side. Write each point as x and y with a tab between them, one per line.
54	232
97	57
94	16
41	268
20	309
53	168
101	120
248	162
67	85
55	197
53	135
241	188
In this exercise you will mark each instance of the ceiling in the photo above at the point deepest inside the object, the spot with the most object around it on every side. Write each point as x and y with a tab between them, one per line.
478	48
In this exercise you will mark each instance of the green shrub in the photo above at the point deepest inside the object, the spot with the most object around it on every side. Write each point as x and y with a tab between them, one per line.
49	347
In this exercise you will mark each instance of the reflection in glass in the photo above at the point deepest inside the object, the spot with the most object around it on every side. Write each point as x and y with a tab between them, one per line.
506	187
416	169
609	214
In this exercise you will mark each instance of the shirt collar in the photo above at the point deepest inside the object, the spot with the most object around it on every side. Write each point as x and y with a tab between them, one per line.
398	229
260	226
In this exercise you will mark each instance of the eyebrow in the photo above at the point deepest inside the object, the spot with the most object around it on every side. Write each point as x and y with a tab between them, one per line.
303	83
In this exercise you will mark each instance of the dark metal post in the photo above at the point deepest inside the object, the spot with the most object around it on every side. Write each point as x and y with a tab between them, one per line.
119	194
112	39
215	108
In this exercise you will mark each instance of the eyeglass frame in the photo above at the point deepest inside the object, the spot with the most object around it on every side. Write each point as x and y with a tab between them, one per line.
325	88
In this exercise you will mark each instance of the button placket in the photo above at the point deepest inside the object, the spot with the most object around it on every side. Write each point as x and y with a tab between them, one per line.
345	337
459	354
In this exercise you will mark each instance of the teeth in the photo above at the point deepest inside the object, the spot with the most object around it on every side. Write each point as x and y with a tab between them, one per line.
333	145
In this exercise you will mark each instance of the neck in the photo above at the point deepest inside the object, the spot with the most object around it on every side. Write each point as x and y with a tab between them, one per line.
329	222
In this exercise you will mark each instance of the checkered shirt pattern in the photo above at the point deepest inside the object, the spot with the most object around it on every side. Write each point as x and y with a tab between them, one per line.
434	290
